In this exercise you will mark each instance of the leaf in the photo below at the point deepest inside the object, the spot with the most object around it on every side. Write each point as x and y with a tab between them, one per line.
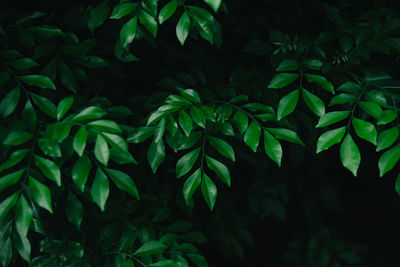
387	138
350	87
313	64
150	248
116	141
98	15
23	247
198	116
397	185
166	263
67	76
203	23
330	138
386	117
6	252
160	130
7	204
372	109
23	216
123	9
101	150
39	81
63	107
149	22
105	126
286	134
222	147
185	122
214	4
273	148
47	31
156	154
220	169
313	102
350	155
331	118
287	104
45	105
191	184
342	99
182	28
29	116
239	98
40	194
321	81
80	172
90	113
252	135
191	95
225	128
79	142
74	210
282	79
17	138
140	134
185	142
167	11
49	169
209	191
10	179
100	189
123	182
186	162
288	65
241	121
9	102
365	130
388	160
128	32
58	131
14	159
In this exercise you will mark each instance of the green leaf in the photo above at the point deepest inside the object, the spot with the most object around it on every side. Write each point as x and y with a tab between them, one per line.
90	113
58	131
365	130
350	155
187	142
209	191
287	104
45	105
9	102
342	99
74	210
47	31
98	15
241	121
80	172
286	134
23	216
23	247
186	162
198	260
24	63
123	9
105	126
49	169
282	79
331	118
182	28
14	159
40	194
150	248
222	147
203	23
17	138
252	135
321	81
198	116
167	11
128	32
6	252
225	128
29	116
220	169
166	263
191	95
63	107
214	4
116	141
10	179
372	109
101	150
388	160
386	117
149	22
387	138
330	138
313	102
7	204
160	130
185	122
191	184
39	81
273	148
397	185
156	154
79	142
239	98
123	181
313	64
350	87
140	134
288	65
100	189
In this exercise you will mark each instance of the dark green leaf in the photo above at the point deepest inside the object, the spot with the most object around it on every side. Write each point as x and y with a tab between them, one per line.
149	22
386	117
287	104
64	106
39	81
45	105
9	102
186	162
282	79
167	11
185	122
330	138
40	194
209	191
49	169
80	172
105	126
313	102
98	15
388	160
156	154
223	147
14	159
7	204
165	263
23	216
101	150
191	184
79	142
150	248
17	138
350	87
198	116
288	65
74	210
214	4
225	128
123	9
321	81
372	109
252	135
350	155
140	134
10	179
90	113
241	121
220	169
123	182
286	134
100	189
273	148
6	252
128	32
342	99
191	95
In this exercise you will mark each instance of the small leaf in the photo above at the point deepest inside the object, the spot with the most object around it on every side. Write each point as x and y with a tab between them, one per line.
7	204
64	106
49	169
330	138
252	135
128	32
287	104
101	150
150	248
40	194
79	142
182	28
387	138
241	121
100	189
186	162
273	148
23	216
9	102
350	155
90	113
209	190
123	182
220	169
388	160
321	81
282	79
74	210
191	184
198	116
288	65
98	16
313	102
45	105
223	147
156	154
286	134
80	172
365	130
167	11
123	9
185	122
39	81
105	126
17	138
372	109
10	179
331	118
386	117
140	134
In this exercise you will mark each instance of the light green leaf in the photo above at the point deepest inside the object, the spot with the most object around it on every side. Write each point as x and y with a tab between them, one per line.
209	191
288	65
287	104
350	155
49	169
45	105
98	15
40	194
80	172
331	118
252	135
182	28
222	147
156	154
286	134
214	4
10	179
100	189
386	117
330	138
101	150
387	138
198	116
313	102
241	121
105	126
14	159
388	160
39	81
90	113
365	130
23	216
372	109
64	106
186	162
123	181
220	169
149	22
17	138
123	9
150	248
321	81
273	148
74	210
140	134
79	142
191	184
282	79
128	32
9	102
185	122
167	11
